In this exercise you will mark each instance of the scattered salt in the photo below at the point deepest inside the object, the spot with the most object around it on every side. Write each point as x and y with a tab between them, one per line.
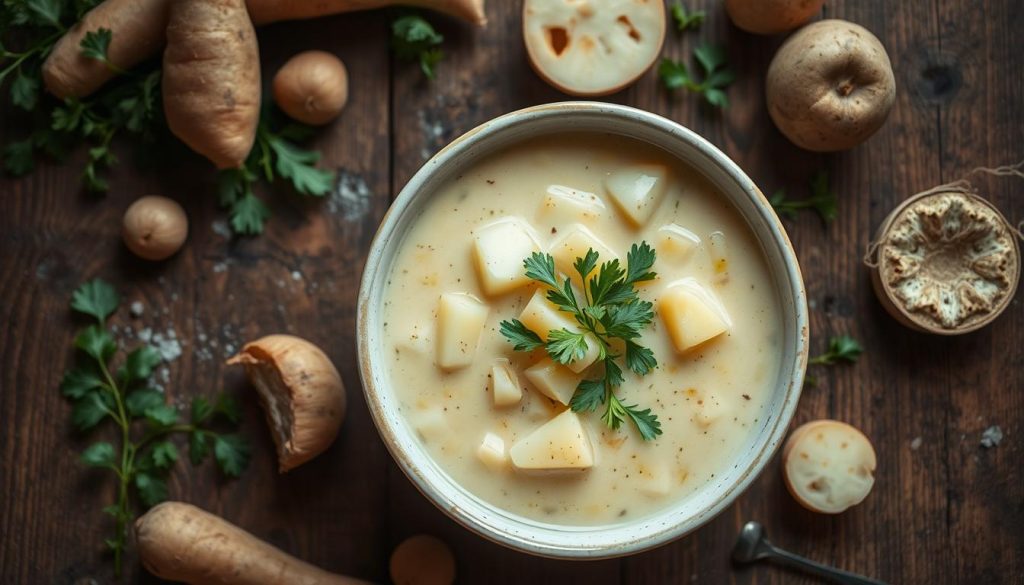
146	335
296	275
991	437
136	309
220	267
915	444
220	227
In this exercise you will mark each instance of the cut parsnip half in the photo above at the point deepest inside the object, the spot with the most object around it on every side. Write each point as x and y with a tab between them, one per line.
505	387
829	466
500	248
460	319
692	314
637	191
592	47
554	380
559	444
541	317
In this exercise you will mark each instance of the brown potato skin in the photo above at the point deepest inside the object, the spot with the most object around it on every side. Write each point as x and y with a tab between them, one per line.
769	17
312	87
211	79
138	33
180	542
830	86
264	11
154	227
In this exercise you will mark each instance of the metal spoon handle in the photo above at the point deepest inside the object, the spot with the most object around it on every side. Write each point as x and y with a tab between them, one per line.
835	575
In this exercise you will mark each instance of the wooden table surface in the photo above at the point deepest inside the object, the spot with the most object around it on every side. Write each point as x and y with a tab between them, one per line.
943	510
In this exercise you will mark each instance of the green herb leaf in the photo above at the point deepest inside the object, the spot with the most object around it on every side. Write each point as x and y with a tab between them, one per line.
841	348
822	200
152	489
413	38
164	454
201	410
163	415
228	407
522	338
25	91
248	214
96	298
686	20
644	421
97	343
139	364
428	62
297	165
585	265
78	382
88	411
198	446
639	262
95	43
46	12
588	396
674	74
565	346
712	61
139	401
639	359
231	453
541	267
100	455
18	159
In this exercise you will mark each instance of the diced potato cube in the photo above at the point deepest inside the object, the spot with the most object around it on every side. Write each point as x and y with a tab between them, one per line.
710	408
637	191
460	319
541	317
554	380
432	425
718	251
676	243
564	205
505	384
500	248
692	314
492	452
574	244
559	444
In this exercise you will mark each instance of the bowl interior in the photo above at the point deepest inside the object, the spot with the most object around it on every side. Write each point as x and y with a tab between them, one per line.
587	541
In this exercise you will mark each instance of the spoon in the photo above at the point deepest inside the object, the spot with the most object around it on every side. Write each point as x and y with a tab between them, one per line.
753	545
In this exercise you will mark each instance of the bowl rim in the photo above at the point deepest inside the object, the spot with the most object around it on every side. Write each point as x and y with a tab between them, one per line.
455	505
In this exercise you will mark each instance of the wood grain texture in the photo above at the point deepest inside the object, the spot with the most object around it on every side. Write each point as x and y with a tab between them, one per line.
944	509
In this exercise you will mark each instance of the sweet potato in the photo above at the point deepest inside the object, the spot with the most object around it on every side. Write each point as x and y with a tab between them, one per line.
138	27
211	79
180	542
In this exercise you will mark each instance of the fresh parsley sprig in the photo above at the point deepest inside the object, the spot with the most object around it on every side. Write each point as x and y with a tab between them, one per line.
841	348
716	75
414	39
142	456
822	200
685	19
610	312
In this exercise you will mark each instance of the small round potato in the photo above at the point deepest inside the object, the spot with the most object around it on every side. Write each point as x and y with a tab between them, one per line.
830	86
769	17
422	560
828	465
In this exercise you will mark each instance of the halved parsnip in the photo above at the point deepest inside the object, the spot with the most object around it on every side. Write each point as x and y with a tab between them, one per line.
491	452
505	387
564	205
829	466
574	243
541	317
676	243
559	444
460	318
637	190
692	314
500	248
554	380
592	47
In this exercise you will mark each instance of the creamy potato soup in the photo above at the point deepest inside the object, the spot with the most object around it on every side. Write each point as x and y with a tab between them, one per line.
497	419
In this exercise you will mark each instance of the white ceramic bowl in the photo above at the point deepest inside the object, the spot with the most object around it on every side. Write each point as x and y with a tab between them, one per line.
635	535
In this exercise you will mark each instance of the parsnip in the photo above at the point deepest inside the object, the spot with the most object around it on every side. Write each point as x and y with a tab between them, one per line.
180	542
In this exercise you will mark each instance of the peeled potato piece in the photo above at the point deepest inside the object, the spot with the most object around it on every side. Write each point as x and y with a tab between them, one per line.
541	317
460	319
592	47
829	466
637	191
692	314
559	444
500	248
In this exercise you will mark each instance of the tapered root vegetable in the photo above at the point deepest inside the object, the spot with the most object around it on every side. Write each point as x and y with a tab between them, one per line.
422	560
829	466
301	393
768	17
138	27
180	542
312	87
264	11
830	86
211	79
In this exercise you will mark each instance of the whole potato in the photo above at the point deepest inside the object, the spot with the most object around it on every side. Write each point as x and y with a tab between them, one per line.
768	17
830	86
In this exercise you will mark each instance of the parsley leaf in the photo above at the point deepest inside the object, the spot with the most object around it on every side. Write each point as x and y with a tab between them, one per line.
96	343
94	45
152	489
89	411
46	12
413	38
610	309
18	157
841	348
164	454
139	401
686	20
162	415
25	91
248	214
99	455
228	407
96	298
139	364
198	446
822	200
231	453
297	165
716	75
78	382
